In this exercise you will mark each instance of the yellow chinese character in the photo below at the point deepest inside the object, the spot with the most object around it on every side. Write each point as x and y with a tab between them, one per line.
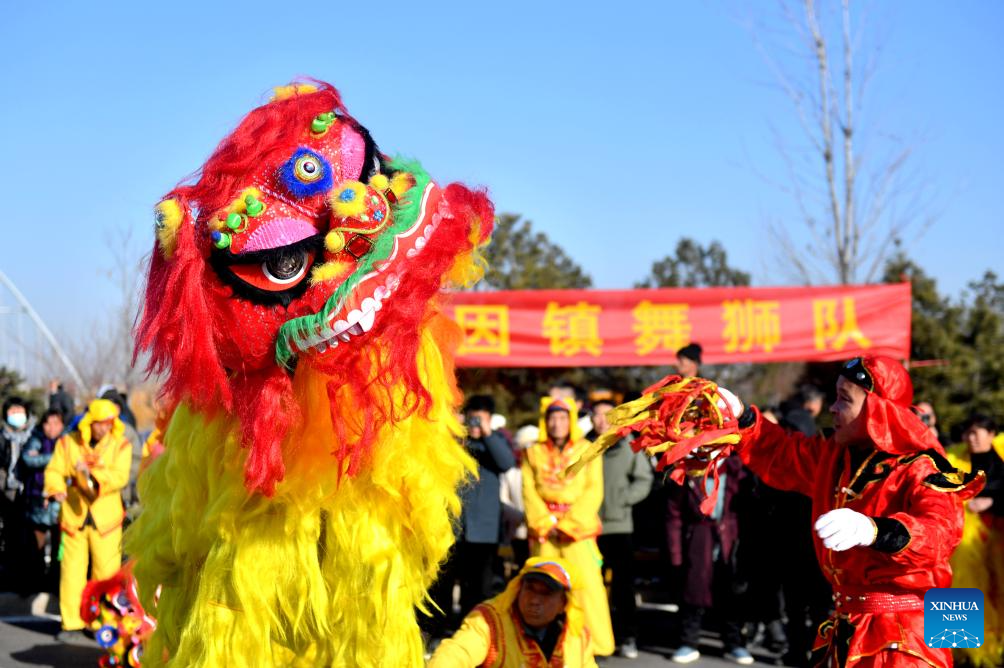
750	323
573	329
832	333
661	326
486	329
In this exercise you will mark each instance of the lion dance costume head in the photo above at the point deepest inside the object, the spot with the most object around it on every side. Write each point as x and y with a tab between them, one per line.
305	496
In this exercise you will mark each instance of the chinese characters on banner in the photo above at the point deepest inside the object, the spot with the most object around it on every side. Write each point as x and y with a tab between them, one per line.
526	328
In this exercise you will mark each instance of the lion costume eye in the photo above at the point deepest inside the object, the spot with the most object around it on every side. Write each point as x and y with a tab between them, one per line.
274	276
286	268
306	174
277	270
307	169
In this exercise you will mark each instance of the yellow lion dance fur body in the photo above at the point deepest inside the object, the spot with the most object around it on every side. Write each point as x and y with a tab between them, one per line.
308	486
323	573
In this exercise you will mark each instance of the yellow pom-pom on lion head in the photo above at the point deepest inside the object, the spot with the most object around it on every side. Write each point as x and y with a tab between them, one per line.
308	486
349	200
280	93
168	216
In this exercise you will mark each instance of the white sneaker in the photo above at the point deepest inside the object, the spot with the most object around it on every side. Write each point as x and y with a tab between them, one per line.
39	603
739	655
685	654
628	649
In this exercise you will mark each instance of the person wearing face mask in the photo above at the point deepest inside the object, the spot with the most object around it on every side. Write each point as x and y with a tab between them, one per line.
17	427
95	459
887	508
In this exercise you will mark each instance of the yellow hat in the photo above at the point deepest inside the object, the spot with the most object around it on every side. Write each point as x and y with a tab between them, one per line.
548	404
100	410
553	572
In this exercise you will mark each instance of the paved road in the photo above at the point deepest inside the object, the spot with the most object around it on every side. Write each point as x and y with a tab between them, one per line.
28	641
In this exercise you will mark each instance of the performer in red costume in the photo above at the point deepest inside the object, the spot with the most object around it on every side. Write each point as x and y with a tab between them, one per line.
888	509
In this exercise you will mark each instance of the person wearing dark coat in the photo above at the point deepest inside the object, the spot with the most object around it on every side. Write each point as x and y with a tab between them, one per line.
129	495
480	518
806	594
61	401
706	549
42	515
688	360
111	393
16	427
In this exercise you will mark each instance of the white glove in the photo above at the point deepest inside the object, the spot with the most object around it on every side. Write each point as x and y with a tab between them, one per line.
733	402
843	528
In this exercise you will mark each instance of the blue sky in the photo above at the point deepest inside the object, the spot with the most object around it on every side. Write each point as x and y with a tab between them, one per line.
616	128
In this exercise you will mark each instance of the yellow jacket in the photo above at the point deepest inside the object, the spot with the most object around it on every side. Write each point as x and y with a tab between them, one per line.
491	636
960	457
109	462
976	563
572	504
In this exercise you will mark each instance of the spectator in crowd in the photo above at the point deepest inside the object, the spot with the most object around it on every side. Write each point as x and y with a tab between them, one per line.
18	425
17	429
95	459
977	562
980	435
536	621
627	480
813	400
925	411
562	511
649	536
42	515
688	360
514	529
61	401
770	413
705	548
784	573
481	516
761	565
563	389
111	393
799	412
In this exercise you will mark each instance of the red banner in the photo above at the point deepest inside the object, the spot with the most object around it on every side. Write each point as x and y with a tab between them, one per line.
522	328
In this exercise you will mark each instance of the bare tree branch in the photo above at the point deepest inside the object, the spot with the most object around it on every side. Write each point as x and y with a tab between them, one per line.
854	202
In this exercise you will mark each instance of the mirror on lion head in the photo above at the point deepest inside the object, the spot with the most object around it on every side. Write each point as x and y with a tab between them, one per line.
300	243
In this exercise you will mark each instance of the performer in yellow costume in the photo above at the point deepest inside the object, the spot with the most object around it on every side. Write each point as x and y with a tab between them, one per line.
977	561
534	623
295	310
95	459
562	512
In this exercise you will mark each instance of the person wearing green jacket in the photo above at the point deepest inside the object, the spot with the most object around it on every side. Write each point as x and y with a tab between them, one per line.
627	480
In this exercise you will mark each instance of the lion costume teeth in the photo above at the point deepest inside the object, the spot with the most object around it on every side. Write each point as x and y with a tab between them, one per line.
305	496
